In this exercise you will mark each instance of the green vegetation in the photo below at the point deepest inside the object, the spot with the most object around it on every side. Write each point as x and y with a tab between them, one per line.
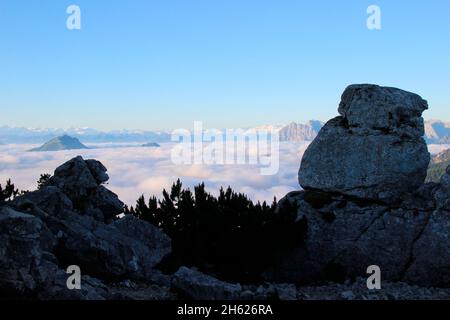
8	193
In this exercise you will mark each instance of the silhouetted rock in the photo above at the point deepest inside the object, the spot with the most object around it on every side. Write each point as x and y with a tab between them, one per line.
81	181
365	202
198	286
50	200
156	242
442	195
374	150
91	289
344	237
26	262
56	231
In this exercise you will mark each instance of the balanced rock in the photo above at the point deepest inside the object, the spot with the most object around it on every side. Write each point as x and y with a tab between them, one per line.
373	150
81	180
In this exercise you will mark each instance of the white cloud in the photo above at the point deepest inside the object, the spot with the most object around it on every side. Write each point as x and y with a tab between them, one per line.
136	170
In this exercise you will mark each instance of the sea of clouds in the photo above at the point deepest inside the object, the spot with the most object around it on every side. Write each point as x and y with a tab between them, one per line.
136	170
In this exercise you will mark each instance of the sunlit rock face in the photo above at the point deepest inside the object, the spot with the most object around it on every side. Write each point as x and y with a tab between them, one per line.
373	150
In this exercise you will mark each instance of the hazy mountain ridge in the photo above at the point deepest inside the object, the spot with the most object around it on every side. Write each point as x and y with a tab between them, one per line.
290	132
436	132
438	165
87	135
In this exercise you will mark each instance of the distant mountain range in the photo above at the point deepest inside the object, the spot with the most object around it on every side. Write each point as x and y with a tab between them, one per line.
436	132
438	165
61	143
87	135
151	144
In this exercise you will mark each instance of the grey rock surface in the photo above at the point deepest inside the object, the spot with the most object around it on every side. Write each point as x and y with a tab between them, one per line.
374	150
442	195
43	231
198	286
153	240
409	242
80	180
373	109
109	251
26	261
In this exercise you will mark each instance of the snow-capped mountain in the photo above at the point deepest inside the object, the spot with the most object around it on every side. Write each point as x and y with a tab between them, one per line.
437	132
301	132
86	135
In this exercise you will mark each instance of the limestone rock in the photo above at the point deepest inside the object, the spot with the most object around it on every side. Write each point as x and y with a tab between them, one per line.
80	180
374	150
26	262
109	251
198	286
371	108
344	237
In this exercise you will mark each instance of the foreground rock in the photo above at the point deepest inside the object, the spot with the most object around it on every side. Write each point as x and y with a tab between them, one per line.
409	242
81	181
198	286
64	223
365	202
373	150
26	261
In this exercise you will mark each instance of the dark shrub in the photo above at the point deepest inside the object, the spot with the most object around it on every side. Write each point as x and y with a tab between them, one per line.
228	236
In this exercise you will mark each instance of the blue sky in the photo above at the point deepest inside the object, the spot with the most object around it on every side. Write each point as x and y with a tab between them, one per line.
161	64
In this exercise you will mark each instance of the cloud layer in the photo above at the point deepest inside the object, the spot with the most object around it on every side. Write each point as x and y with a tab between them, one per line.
136	170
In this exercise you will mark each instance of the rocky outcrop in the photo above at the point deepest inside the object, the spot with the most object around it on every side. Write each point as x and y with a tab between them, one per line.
81	181
344	236
71	221
373	150
199	286
26	261
365	202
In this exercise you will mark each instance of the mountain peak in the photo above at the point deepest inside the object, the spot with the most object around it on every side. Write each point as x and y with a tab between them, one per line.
63	142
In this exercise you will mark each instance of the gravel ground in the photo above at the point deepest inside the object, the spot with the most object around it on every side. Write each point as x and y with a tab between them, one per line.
358	291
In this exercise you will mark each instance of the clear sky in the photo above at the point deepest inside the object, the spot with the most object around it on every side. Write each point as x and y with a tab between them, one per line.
161	64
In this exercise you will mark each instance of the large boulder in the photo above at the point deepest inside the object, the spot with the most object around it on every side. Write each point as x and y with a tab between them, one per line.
373	150
80	180
109	251
153	240
91	289
49	199
26	262
343	237
442	195
68	221
199	286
